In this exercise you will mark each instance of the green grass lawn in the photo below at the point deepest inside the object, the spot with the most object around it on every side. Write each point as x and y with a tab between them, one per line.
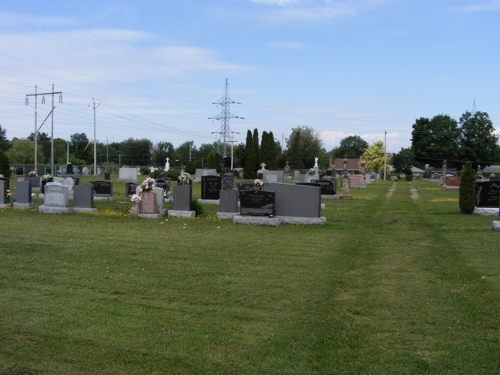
390	285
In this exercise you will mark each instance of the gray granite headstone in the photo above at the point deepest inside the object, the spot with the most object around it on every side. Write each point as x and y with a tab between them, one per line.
83	196
229	201
228	181
296	200
35	181
273	176
23	194
302	177
182	198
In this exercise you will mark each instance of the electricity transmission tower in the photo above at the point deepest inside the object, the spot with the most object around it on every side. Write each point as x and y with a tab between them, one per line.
37	129
224	116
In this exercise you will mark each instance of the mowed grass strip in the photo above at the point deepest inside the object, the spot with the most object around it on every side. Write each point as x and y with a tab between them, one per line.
389	285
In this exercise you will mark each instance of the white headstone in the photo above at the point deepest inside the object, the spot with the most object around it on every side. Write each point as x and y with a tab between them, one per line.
70	183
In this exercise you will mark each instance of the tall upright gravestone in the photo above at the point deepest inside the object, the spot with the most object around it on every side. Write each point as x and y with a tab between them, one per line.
23	196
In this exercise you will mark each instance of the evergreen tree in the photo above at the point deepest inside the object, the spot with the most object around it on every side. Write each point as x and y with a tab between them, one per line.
467	190
4	164
273	152
249	155
295	151
256	151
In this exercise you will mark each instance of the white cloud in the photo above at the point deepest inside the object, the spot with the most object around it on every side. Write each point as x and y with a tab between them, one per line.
34	21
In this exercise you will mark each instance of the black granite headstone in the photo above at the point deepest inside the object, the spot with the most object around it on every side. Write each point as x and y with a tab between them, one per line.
327	187
19	171
107	176
69	169
163	183
257	202
487	194
6	182
130	189
245	185
102	188
210	187
77	180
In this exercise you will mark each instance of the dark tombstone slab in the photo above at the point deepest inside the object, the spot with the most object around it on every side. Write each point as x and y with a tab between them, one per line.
227	181
45	183
102	188
245	185
260	176
3	192
7	183
228	201
163	183
23	192
130	189
148	203
328	187
182	198
235	173
77	180
107	176
35	181
299	200
69	169
494	178
19	171
83	196
211	187
487	194
257	202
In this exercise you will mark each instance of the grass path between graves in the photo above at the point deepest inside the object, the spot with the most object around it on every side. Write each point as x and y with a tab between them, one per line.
391	285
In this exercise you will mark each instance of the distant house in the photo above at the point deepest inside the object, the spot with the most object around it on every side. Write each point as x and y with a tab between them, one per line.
352	165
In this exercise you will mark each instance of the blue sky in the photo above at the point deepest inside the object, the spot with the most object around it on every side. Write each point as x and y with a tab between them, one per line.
359	67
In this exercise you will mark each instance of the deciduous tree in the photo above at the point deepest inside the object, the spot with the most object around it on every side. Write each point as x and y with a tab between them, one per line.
374	155
353	146
478	142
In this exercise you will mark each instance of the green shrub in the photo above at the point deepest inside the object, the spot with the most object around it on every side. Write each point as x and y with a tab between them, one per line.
190	167
197	207
409	177
145	171
4	164
173	174
467	190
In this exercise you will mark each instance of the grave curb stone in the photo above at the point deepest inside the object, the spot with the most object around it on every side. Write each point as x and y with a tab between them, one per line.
302	220
485	211
151	216
257	220
495	226
227	215
54	210
209	201
82	209
23	206
177	213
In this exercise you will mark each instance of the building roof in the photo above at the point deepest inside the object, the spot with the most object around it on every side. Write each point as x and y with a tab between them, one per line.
352	164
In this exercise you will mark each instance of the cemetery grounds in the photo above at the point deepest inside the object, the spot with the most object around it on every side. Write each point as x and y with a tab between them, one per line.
397	282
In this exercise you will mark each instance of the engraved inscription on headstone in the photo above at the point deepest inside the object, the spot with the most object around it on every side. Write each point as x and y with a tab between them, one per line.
257	202
210	187
148	203
487	194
